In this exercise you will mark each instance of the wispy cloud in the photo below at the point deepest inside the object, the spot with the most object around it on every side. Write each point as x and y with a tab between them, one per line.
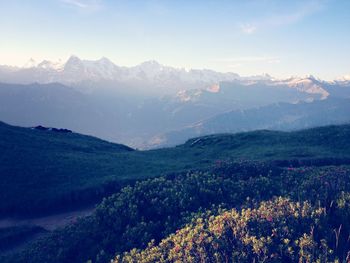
84	5
283	19
247	28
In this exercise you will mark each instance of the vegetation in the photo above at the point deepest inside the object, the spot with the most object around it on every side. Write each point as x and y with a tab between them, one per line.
68	169
155	208
12	236
276	231
251	197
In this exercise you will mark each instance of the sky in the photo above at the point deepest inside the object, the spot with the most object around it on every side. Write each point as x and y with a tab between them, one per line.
251	37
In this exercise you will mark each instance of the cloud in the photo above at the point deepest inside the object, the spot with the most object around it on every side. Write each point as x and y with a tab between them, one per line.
84	5
247	28
283	19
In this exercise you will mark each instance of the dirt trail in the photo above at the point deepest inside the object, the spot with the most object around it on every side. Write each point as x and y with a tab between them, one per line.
50	222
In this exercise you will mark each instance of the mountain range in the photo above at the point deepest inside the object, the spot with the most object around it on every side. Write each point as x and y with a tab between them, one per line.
77	72
146	105
279	116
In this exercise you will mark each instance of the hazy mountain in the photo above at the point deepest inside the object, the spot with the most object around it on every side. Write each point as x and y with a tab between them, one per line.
149	78
107	115
131	105
150	75
134	118
280	116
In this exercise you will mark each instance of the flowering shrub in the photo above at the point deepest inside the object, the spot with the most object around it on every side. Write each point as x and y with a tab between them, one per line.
155	208
276	231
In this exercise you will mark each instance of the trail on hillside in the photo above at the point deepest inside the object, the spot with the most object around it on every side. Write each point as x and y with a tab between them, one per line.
50	222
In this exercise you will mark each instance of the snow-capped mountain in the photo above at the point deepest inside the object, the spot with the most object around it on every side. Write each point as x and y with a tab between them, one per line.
49	65
131	105
31	63
308	84
152	77
76	70
295	89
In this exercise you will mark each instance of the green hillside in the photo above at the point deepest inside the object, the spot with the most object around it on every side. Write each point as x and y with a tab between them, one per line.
44	169
198	180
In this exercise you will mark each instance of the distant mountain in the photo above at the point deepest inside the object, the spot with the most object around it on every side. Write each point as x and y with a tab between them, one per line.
149	77
132	105
46	104
248	93
76	71
135	118
280	116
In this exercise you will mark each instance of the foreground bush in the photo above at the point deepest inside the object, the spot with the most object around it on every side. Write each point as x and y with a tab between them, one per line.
155	208
276	231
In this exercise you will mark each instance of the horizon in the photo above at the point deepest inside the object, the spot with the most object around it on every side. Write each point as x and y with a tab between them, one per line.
293	38
62	62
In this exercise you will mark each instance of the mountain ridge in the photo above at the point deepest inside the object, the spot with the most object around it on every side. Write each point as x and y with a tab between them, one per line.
278	116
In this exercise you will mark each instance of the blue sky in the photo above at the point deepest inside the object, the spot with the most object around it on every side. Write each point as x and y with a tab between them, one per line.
282	38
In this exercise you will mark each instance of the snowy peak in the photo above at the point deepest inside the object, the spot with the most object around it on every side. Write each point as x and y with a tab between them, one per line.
73	63
75	70
150	70
308	84
153	77
49	65
105	64
43	65
105	60
31	63
151	65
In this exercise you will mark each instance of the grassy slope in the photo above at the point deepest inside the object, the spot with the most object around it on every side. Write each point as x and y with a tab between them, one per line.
39	169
